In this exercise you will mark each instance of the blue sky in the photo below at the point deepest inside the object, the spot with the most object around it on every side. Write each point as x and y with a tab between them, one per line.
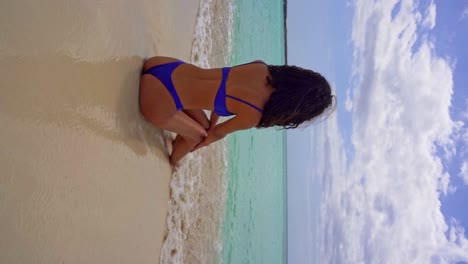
388	172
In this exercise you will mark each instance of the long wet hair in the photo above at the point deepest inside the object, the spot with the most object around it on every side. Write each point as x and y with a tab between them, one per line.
300	96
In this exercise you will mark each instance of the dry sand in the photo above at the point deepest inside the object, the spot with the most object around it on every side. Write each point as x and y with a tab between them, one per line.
83	179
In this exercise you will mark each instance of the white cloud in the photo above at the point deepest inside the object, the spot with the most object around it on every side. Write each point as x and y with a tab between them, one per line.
385	208
444	185
430	16
463	132
464	14
349	102
464	172
465	113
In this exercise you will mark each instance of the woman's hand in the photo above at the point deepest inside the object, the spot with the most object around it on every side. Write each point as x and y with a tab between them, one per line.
213	120
210	138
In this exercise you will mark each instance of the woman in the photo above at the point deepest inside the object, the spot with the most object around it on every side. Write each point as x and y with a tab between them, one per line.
173	95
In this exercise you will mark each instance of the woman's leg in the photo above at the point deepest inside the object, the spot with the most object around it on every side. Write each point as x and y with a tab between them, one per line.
189	133
181	147
199	116
154	107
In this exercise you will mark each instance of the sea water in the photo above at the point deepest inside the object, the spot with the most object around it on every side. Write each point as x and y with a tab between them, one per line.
228	201
254	222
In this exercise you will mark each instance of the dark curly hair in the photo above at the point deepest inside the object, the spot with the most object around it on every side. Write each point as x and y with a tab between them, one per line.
300	95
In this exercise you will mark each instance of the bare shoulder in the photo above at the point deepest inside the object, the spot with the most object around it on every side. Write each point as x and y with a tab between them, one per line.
157	60
248	116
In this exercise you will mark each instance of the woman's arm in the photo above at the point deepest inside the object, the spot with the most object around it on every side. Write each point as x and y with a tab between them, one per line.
213	120
220	131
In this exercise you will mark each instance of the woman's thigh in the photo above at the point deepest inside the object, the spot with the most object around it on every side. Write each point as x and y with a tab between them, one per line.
154	98
183	125
158	107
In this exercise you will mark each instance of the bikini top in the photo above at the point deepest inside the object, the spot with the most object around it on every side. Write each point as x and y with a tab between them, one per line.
163	72
220	107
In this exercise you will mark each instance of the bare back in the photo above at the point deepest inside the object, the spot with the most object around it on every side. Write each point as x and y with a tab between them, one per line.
197	87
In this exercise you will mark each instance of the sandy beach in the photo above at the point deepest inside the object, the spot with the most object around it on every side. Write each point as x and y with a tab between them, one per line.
84	178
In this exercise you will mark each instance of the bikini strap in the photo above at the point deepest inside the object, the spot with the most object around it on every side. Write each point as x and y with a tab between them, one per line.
245	102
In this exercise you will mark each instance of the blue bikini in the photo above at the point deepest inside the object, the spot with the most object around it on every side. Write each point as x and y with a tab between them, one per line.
163	72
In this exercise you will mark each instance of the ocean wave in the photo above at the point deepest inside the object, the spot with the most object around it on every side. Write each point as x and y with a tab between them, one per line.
198	188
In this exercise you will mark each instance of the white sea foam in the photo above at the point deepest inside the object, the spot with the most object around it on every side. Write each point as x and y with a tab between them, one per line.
213	35
198	187
196	207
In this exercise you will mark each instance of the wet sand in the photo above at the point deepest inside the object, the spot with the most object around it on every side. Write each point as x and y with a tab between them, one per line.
84	178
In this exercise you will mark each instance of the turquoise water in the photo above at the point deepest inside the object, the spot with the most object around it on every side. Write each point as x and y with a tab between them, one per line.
254	227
